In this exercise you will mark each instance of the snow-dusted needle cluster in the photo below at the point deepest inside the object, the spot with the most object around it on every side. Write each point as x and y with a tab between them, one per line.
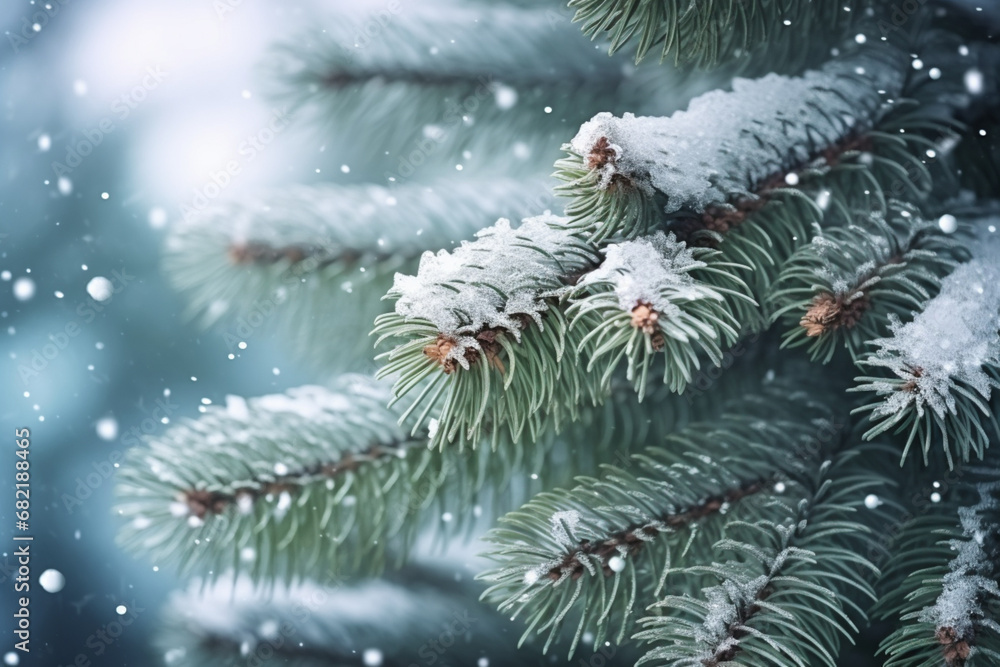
500	281
711	153
950	347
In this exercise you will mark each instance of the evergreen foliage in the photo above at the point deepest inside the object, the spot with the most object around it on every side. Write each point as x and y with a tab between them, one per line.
612	383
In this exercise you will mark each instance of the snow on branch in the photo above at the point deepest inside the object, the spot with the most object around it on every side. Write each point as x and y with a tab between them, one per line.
971	581
481	321
947	604
728	145
944	364
500	282
649	295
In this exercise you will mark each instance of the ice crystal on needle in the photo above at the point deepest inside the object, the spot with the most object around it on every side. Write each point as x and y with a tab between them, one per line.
953	343
971	577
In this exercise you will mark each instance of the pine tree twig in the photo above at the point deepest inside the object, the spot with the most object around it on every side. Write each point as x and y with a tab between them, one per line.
840	290
590	558
941	368
473	79
481	324
949	605
651	297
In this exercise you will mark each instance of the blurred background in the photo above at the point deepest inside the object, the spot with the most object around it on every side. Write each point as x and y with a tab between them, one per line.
115	113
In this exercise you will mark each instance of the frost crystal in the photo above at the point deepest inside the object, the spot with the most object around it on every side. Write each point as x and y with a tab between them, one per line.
951	343
711	153
652	270
496	282
972	575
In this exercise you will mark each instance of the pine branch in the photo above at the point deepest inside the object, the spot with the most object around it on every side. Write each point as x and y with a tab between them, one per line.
649	296
821	146
470	79
842	289
949	605
784	599
310	468
623	173
280	486
940	369
704	34
591	557
472	322
312	261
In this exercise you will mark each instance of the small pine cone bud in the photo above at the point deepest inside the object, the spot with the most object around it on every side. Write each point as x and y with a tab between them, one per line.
647	319
601	154
438	351
829	312
956	649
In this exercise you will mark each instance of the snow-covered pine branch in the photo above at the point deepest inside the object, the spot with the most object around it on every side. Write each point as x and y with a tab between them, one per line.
788	595
279	486
313	261
482	323
749	170
592	558
703	33
942	367
474	79
316	478
950	611
649	297
841	289
727	148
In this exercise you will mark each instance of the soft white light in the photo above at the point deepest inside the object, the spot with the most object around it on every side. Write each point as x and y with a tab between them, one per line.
107	428
52	580
372	657
616	563
100	288
505	96
157	218
872	501
974	81
121	609
24	289
948	223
